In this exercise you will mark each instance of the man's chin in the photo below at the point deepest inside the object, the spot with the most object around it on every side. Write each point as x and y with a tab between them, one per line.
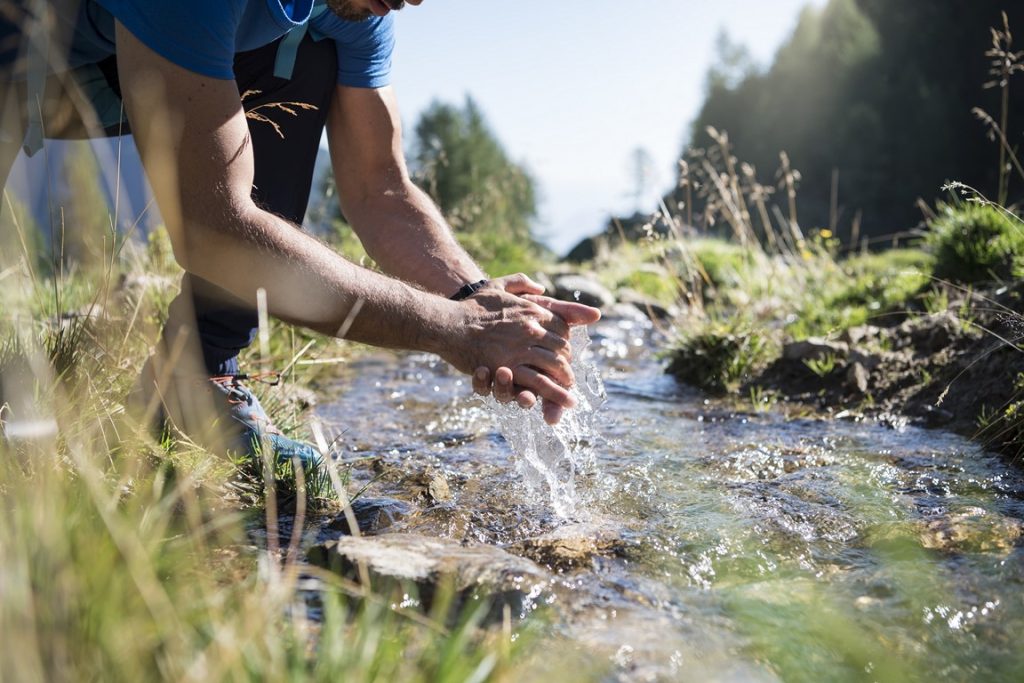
347	11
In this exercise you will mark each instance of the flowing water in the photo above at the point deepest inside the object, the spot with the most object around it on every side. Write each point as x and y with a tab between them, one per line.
753	547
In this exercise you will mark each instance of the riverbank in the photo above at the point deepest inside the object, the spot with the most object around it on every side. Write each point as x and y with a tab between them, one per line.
928	334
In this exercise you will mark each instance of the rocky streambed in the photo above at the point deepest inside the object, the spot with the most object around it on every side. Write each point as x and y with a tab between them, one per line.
702	542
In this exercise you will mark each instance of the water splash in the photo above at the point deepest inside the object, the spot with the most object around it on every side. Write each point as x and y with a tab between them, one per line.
550	458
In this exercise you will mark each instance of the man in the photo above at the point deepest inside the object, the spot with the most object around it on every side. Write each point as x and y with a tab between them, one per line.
232	188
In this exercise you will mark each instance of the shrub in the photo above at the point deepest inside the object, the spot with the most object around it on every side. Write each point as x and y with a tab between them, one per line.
719	358
976	242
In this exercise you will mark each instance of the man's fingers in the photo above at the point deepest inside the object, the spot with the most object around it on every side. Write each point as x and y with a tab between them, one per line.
482	381
519	284
504	385
554	365
543	386
552	412
557	325
526	399
572	313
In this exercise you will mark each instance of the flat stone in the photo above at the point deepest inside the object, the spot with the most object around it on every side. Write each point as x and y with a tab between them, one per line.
647	306
427	562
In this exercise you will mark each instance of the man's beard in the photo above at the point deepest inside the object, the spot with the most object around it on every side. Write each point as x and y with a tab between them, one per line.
347	11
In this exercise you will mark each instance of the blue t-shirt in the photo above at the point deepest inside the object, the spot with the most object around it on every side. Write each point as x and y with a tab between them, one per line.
204	35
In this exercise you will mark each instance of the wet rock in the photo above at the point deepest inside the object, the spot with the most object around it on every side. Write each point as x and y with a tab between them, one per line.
570	547
857	378
373	515
624	312
432	563
814	348
645	304
582	289
435	486
971	530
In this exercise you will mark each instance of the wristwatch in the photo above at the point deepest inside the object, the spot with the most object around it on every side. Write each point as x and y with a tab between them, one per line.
467	290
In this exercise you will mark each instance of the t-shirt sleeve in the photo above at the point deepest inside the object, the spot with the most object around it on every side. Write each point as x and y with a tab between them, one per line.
364	48
198	35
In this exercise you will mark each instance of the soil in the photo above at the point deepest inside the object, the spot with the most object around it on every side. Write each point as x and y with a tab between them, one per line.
946	369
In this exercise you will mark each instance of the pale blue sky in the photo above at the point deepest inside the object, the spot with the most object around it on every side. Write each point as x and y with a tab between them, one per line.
572	87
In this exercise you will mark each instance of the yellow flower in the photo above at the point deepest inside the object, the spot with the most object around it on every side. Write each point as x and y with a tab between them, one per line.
825	234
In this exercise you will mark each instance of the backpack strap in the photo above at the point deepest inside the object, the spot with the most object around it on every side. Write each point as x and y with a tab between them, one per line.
288	49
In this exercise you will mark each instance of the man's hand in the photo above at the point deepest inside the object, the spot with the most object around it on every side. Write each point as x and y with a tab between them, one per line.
506	385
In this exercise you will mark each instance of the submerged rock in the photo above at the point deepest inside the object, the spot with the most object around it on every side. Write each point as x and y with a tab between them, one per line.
373	515
434	563
434	485
570	547
971	530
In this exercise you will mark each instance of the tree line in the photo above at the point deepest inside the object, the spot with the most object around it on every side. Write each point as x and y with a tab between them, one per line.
876	103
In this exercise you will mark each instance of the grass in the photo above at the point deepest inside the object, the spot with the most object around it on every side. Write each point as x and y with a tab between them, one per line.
123	557
975	242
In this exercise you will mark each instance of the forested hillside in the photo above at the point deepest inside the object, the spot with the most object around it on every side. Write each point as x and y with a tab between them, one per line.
876	98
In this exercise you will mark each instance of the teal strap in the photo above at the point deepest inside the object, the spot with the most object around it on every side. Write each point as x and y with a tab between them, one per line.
36	56
288	49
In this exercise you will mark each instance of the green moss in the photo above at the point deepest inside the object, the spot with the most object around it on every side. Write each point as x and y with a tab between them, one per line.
861	289
976	243
720	357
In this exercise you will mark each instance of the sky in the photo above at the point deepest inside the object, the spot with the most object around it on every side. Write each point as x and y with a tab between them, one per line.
573	87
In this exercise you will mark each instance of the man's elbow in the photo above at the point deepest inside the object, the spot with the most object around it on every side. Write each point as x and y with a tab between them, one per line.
202	237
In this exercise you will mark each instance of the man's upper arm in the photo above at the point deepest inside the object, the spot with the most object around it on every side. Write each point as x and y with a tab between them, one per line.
191	133
365	135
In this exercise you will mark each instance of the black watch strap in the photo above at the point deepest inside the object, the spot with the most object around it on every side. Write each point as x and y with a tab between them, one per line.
467	290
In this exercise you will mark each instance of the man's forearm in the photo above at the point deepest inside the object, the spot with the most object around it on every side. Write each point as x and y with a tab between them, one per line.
308	284
405	233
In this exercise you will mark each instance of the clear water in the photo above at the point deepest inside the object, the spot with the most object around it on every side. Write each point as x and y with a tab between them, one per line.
756	547
551	458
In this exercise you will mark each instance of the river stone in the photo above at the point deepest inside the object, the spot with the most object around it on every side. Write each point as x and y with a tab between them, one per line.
857	378
814	348
428	562
569	547
583	290
647	306
373	515
971	530
435	486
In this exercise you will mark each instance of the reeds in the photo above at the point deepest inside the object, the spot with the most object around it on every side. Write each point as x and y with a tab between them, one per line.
126	557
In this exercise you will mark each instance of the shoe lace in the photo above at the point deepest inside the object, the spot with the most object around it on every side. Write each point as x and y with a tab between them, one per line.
237	392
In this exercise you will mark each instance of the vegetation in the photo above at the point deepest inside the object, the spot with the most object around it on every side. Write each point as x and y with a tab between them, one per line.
976	242
127	558
489	200
872	101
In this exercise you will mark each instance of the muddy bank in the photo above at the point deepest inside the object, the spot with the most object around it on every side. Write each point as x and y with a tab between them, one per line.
948	369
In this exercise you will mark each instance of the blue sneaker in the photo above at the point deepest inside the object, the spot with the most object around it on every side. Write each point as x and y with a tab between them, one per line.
257	431
238	426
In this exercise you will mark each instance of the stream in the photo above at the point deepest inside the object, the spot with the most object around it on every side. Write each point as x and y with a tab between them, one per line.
753	546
